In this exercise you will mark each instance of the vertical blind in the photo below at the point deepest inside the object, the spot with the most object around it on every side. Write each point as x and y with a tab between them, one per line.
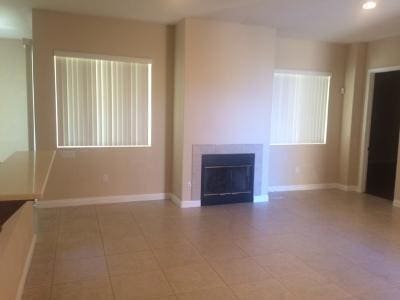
299	108
102	102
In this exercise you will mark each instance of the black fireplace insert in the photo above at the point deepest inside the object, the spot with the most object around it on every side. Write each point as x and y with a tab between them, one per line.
227	178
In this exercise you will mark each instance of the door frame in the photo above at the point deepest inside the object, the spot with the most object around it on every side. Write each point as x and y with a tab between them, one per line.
366	127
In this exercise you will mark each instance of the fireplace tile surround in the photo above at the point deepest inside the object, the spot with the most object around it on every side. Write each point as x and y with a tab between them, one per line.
200	149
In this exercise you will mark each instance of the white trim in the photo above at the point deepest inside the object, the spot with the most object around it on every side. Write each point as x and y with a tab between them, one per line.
100	200
310	187
396	203
185	203
25	271
302	187
366	127
190	203
260	198
84	55
302	72
347	188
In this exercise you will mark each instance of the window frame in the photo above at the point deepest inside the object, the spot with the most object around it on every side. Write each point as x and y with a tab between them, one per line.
85	55
309	73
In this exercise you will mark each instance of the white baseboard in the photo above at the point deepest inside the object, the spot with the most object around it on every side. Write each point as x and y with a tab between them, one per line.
302	187
184	204
260	198
318	186
346	188
396	203
100	200
25	271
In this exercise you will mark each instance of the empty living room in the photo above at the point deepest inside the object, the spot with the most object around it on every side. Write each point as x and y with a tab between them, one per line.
199	150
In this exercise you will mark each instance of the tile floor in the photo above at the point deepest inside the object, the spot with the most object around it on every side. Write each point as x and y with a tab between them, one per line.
300	245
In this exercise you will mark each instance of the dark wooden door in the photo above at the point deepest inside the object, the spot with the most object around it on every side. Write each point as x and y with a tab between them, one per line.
384	135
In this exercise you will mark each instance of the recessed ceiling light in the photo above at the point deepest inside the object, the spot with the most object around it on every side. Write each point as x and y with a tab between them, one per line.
369	5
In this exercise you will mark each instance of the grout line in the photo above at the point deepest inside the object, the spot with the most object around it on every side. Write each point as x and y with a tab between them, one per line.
104	250
55	252
152	251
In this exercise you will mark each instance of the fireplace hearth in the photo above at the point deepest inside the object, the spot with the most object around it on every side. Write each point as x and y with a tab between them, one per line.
227	178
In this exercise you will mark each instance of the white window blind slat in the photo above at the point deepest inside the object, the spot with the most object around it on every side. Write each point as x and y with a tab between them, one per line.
299	108
102	102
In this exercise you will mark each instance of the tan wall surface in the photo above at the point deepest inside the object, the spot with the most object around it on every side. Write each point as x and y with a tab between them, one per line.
384	53
179	97
13	99
228	86
353	106
311	164
130	170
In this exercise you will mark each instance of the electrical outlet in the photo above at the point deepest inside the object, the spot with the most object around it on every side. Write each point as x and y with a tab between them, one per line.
298	170
189	184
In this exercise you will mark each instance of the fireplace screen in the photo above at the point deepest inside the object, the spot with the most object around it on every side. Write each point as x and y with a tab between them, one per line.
227	178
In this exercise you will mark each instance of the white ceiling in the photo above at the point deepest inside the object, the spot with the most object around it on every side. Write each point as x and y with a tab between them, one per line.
329	20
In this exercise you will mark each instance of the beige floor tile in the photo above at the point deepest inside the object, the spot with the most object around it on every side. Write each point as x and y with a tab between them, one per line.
166	240
219	293
37	293
142	286
242	270
80	224
193	277
317	244
283	263
391	294
305	287
44	252
221	251
119	230
177	256
123	244
107	209
83	290
40	274
132	262
356	281
269	289
75	245
68	270
77	212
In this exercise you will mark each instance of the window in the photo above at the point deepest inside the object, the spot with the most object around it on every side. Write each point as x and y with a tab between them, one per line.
299	108
102	101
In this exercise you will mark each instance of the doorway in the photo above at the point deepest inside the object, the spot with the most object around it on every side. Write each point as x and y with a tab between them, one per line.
384	135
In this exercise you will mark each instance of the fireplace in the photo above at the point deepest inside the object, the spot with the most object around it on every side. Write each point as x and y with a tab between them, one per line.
227	178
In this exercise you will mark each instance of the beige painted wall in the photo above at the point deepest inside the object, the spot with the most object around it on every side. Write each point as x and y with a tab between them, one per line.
381	54
227	89
81	173
311	164
384	53
352	115
179	97
13	99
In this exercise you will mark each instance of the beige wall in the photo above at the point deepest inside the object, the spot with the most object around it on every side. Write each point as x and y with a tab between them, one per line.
179	95
227	88
13	98
384	53
81	173
352	115
311	164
